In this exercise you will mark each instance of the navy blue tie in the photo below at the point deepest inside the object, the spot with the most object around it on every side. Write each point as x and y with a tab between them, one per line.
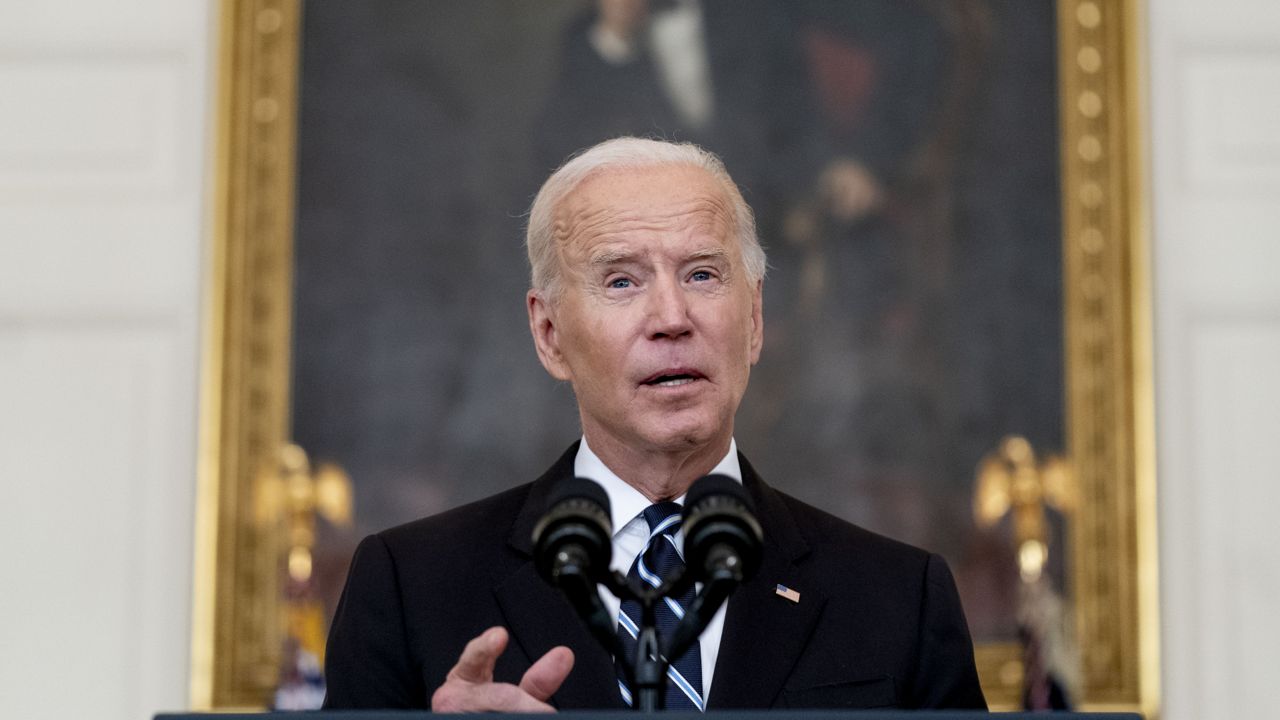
655	562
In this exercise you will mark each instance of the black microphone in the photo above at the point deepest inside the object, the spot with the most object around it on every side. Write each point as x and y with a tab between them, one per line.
722	538
572	547
722	547
575	536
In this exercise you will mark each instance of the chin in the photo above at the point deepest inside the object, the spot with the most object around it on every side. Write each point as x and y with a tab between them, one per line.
681	442
687	435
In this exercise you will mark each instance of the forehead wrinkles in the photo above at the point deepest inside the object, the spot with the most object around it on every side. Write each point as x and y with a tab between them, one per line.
583	223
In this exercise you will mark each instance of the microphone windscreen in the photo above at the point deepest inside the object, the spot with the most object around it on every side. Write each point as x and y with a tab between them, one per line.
718	514
721	485
577	519
578	488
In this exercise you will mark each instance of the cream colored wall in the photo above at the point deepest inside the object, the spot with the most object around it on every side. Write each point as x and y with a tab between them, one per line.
103	155
1215	134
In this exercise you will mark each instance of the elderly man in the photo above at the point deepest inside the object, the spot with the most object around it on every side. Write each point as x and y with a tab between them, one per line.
646	298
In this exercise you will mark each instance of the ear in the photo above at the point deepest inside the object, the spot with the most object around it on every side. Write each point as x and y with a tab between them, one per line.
757	321
545	340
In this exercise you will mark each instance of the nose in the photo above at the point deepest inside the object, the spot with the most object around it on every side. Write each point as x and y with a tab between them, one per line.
668	310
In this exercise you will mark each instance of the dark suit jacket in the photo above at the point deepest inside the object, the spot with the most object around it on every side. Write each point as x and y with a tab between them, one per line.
878	622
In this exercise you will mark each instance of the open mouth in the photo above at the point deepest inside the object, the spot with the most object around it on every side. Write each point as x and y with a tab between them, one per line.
672	378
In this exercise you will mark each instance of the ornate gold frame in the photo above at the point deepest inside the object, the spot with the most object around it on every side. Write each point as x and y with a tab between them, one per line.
245	393
245	375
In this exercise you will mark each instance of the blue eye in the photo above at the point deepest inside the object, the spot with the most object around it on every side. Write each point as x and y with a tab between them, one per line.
700	276
620	283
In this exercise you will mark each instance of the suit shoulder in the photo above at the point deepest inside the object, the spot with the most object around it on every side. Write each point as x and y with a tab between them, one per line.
828	534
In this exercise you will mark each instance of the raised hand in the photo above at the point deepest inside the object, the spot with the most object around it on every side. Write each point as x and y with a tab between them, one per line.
469	687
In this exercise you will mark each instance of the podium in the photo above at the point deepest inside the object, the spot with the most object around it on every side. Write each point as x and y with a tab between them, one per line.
691	715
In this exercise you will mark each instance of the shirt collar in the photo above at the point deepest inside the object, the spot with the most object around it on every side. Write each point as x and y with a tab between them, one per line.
626	502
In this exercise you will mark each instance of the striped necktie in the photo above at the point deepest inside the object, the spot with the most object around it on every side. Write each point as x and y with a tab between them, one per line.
656	561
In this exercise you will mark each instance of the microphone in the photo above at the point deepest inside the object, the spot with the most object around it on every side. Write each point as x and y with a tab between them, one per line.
722	538
575	536
572	547
723	543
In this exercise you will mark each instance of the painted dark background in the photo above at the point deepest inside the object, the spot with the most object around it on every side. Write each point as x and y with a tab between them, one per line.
900	346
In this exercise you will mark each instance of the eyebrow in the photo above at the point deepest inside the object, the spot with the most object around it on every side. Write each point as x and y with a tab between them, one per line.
612	257
716	253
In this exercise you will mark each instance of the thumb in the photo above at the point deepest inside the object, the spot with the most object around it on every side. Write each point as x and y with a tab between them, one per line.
544	677
479	656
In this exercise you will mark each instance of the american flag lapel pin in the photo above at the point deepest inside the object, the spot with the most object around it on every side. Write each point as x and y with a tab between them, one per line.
788	593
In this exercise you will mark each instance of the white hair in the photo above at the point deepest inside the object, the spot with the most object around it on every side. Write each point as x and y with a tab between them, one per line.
628	153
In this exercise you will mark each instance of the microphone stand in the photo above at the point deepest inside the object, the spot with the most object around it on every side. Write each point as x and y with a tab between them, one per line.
715	590
647	673
575	582
650	670
727	538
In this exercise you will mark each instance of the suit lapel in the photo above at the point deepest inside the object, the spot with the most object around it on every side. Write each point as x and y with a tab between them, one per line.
749	673
539	618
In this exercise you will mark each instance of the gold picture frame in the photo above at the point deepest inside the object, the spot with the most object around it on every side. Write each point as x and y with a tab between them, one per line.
245	385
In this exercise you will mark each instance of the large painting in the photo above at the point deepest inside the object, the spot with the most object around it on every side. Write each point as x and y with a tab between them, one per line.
911	163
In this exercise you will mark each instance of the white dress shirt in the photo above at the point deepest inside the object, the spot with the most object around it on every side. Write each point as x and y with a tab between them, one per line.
631	531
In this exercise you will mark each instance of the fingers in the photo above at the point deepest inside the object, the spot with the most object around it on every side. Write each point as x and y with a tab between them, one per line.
456	696
504	697
479	656
545	676
469	686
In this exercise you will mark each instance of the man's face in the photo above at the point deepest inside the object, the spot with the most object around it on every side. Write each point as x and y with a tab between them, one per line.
657	324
